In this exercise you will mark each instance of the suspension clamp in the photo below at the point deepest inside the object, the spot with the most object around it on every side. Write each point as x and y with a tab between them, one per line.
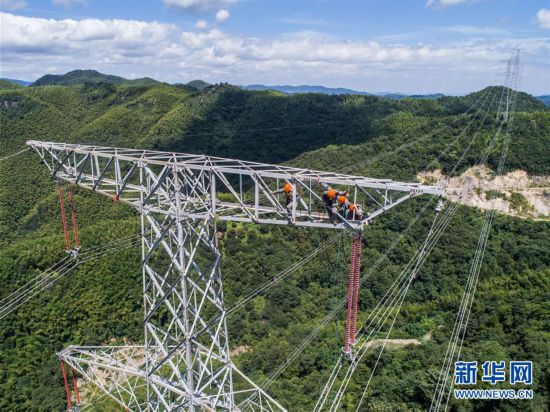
348	355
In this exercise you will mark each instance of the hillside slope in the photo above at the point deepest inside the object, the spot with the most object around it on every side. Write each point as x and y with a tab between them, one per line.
545	99
100	302
16	81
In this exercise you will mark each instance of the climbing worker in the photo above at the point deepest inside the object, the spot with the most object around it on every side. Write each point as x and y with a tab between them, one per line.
330	200
354	212
343	204
287	190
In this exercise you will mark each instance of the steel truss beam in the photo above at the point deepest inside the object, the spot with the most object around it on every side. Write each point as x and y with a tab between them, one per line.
218	188
185	361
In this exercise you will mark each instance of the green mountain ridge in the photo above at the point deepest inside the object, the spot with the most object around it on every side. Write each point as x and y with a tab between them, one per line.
93	76
16	81
545	99
7	84
89	76
200	85
101	300
287	89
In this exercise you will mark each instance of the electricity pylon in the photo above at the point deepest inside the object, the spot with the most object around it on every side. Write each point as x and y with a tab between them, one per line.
185	362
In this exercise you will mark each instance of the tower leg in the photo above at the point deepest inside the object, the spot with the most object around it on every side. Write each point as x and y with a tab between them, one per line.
185	313
185	362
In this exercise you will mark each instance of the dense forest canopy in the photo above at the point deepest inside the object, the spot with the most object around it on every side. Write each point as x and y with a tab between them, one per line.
99	303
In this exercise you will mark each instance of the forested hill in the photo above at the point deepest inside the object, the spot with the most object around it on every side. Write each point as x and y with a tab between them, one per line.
100	302
89	77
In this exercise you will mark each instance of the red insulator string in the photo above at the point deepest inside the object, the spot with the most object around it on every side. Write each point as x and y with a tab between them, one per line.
63	217
75	385
356	283
67	391
350	295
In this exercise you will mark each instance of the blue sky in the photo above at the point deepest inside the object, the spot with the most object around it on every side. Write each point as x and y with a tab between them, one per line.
424	46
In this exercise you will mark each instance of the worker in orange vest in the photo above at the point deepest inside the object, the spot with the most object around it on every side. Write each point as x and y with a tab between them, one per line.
343	204
287	190
354	212
331	199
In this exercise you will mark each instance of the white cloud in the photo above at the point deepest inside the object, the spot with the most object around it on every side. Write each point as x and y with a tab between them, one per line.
199	4
445	3
222	15
13	4
543	18
49	36
67	3
201	24
33	46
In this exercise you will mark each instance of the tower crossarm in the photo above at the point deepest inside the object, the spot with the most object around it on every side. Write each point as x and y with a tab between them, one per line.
224	189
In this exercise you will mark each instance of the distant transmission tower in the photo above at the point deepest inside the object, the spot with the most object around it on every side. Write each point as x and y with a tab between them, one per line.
185	362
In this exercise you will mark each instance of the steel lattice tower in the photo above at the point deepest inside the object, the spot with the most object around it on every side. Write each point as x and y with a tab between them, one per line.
185	362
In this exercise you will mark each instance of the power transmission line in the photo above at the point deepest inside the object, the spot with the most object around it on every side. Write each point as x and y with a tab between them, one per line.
438	231
14	154
506	113
317	329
